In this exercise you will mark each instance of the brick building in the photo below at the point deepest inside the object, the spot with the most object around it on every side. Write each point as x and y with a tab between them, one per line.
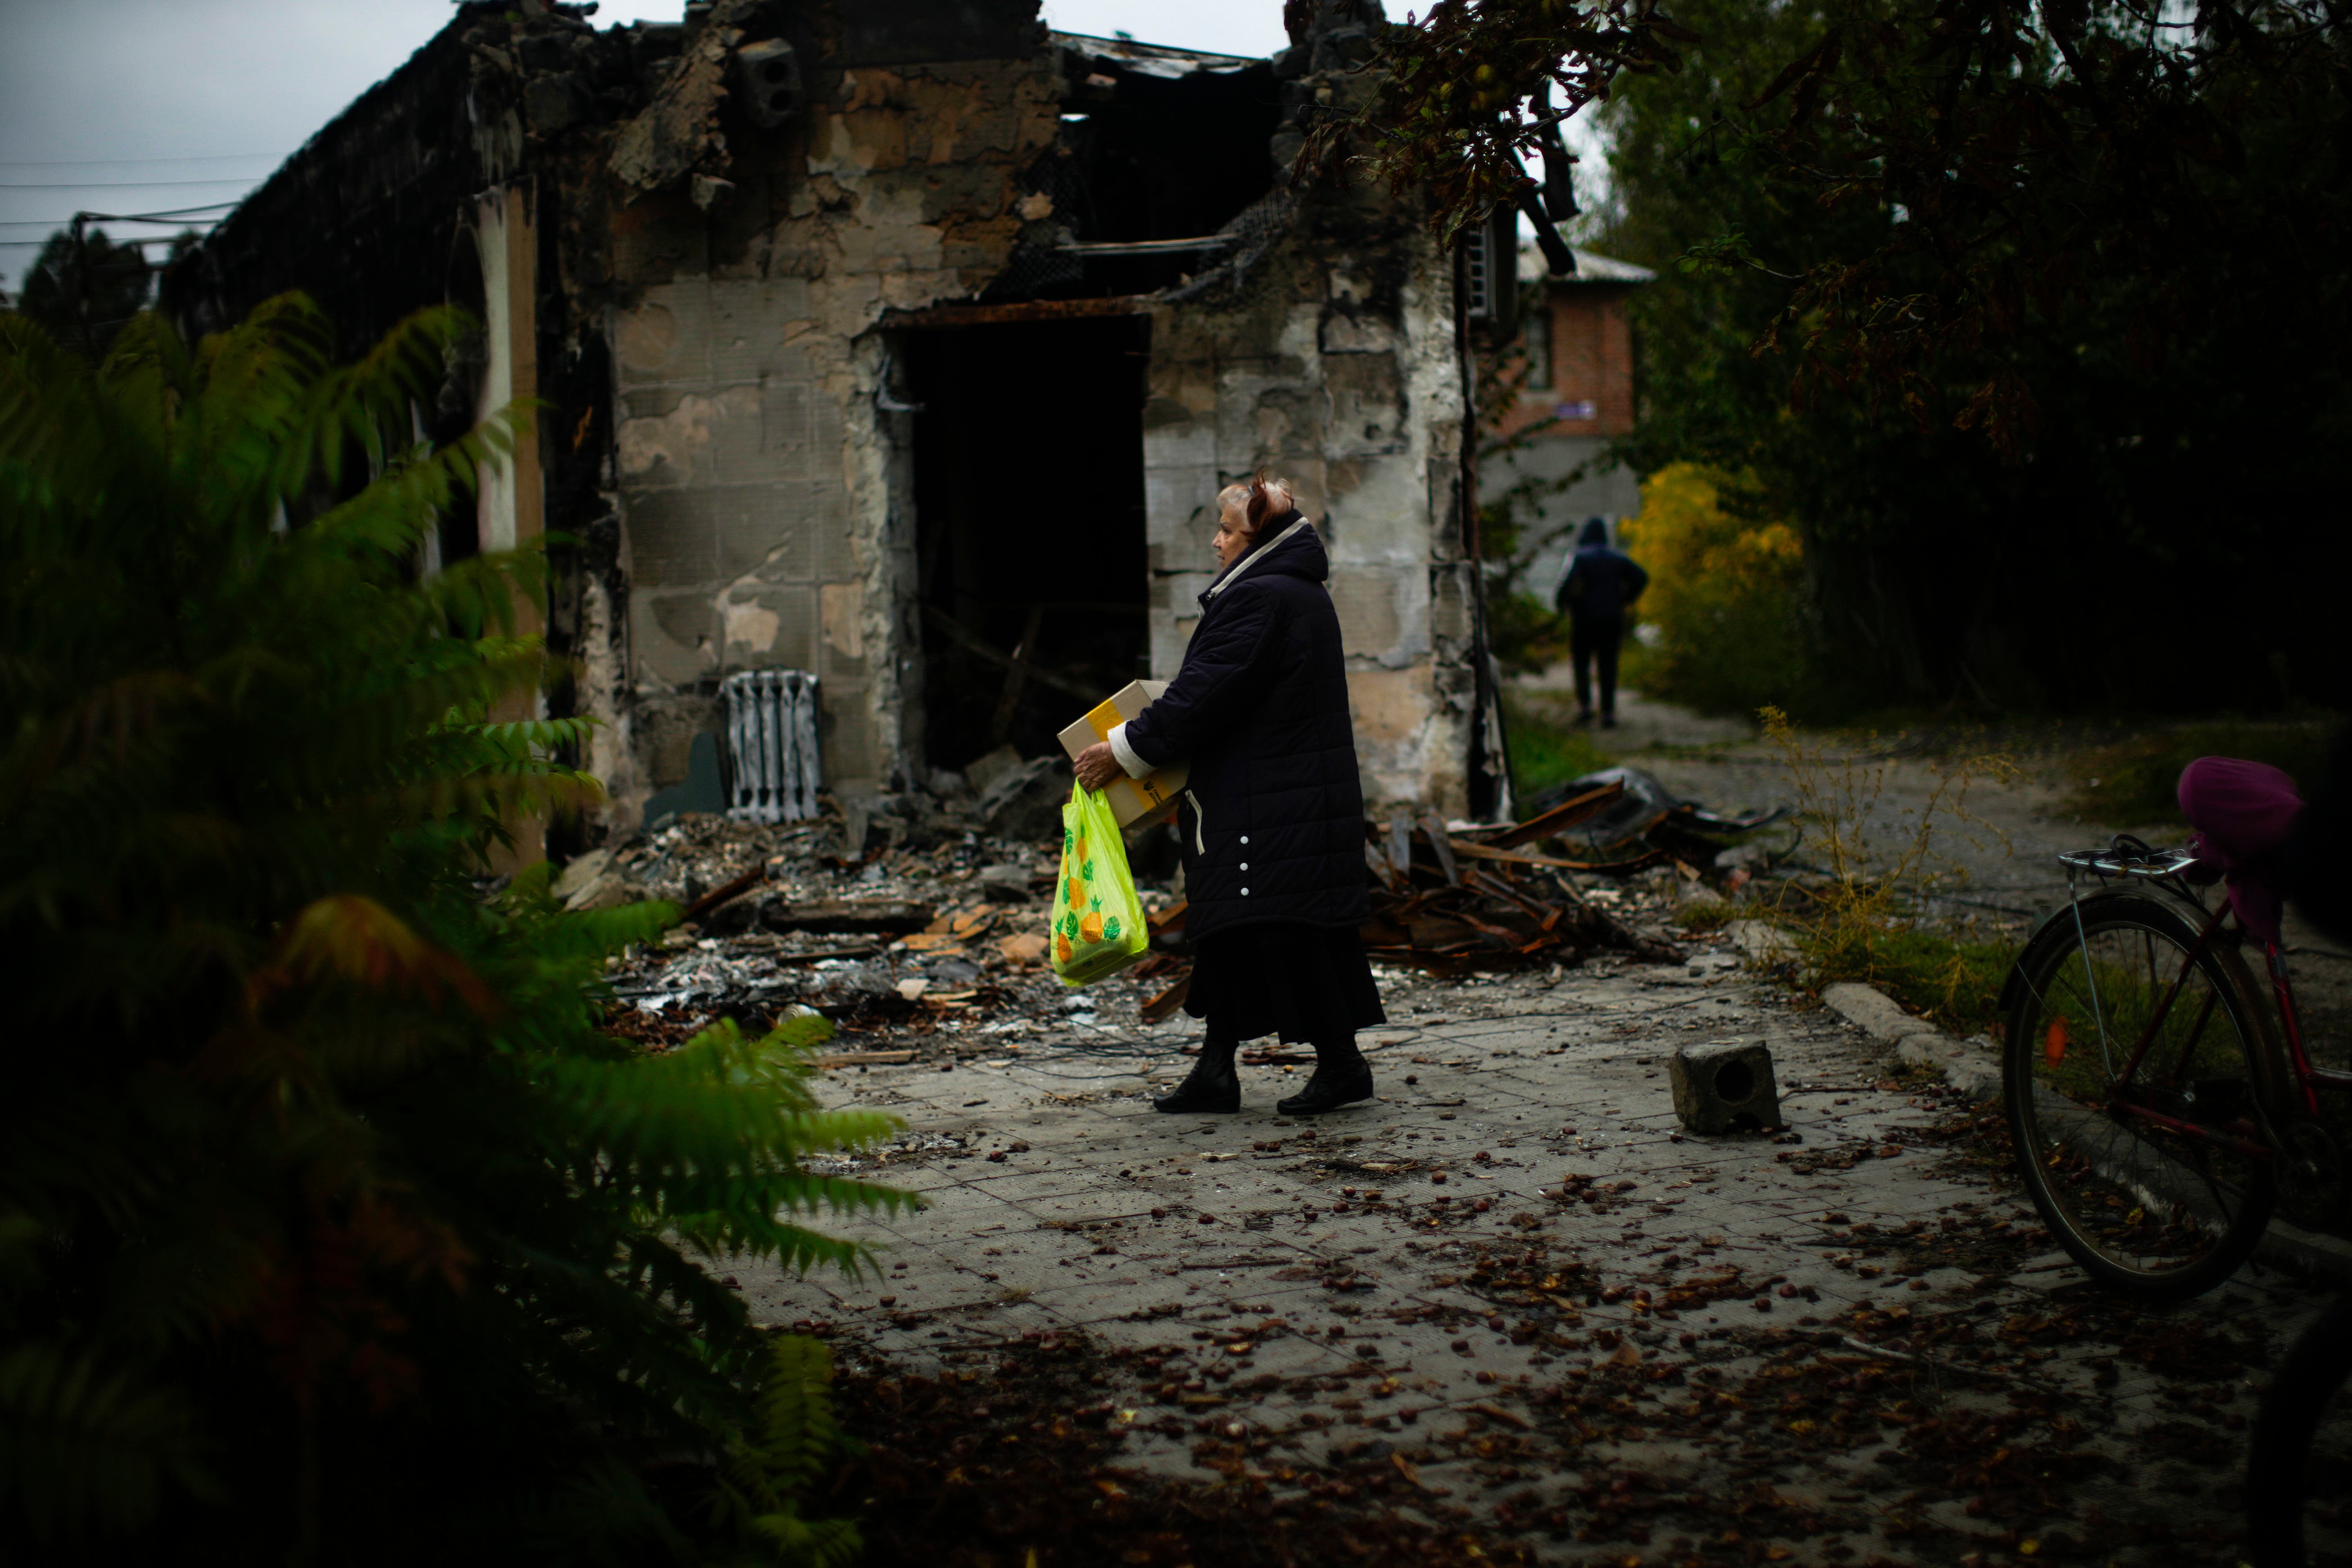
1575	396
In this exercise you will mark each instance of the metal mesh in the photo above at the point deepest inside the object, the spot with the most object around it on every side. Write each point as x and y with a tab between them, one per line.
1258	227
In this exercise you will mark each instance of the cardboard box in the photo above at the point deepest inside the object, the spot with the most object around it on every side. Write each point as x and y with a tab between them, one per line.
1131	800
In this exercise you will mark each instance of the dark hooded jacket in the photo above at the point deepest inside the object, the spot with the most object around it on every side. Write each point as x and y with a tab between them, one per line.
1273	812
1602	583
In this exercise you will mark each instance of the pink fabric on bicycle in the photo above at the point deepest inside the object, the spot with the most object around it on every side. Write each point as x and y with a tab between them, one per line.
2241	811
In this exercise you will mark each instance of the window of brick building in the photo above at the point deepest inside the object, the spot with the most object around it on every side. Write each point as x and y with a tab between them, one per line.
1536	340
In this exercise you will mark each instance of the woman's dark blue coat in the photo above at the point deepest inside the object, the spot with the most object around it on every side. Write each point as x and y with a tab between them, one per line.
1273	812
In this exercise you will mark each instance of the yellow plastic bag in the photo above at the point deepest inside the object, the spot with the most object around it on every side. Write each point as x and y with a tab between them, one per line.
1097	921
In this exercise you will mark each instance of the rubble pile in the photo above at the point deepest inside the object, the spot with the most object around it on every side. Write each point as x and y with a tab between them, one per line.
916	918
932	927
1639	823
1452	897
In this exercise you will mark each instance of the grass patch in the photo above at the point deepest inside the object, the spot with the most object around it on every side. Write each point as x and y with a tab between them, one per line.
1706	915
1542	750
2134	782
1954	983
1860	919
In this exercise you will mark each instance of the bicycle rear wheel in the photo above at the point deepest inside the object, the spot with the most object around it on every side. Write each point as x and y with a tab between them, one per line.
2156	1211
2299	1462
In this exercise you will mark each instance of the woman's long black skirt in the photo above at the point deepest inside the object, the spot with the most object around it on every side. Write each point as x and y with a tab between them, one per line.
1305	982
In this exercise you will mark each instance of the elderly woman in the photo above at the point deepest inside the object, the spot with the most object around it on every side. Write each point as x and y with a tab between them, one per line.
1272	813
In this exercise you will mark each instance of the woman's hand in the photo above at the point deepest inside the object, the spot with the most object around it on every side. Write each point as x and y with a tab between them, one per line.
1096	767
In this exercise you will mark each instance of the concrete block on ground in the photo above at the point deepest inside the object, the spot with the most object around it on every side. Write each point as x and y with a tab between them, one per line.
1726	1087
1869	1009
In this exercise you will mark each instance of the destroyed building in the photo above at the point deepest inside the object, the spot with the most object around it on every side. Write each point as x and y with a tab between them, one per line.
906	344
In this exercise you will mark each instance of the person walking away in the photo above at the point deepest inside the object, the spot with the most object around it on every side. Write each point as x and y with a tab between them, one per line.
1272	817
1600	586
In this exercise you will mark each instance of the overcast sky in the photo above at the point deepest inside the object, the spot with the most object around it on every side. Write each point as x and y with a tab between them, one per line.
141	106
145	106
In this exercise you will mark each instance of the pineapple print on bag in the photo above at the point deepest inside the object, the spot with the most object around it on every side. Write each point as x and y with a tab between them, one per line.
1098	923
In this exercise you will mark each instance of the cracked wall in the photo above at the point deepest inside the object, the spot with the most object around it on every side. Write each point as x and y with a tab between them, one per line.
753	465
717	302
1338	369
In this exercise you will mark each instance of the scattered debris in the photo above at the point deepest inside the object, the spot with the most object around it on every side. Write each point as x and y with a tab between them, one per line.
1452	898
1643	822
914	924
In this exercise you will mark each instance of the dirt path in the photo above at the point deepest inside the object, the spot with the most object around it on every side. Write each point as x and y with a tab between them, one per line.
2007	855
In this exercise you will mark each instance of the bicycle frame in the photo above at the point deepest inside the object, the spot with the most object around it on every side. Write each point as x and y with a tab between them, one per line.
2309	1080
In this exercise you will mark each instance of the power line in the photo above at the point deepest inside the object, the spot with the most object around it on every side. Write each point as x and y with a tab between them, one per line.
93	162
68	223
174	214
132	239
124	185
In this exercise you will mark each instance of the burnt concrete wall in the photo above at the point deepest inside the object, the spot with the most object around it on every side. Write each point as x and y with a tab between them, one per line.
1334	364
763	521
716	303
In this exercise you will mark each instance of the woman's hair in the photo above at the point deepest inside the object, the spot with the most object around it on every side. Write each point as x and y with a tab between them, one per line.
1263	497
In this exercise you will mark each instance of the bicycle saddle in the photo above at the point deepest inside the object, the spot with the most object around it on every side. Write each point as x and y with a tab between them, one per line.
2243	814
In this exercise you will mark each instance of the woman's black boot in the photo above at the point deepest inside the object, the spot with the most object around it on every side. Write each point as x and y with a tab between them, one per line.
1211	1085
1342	1076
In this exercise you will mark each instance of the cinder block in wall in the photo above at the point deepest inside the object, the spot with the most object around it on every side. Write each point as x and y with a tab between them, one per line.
748	317
1449	602
853	762
769	626
785	426
1180	505
841	645
673	637
666	336
738	453
1264	405
1379	518
1366	405
764	531
665	725
1351	329
696	439
1174	437
1366	600
673	542
649	401
1171	633
777	531
837	556
1383	612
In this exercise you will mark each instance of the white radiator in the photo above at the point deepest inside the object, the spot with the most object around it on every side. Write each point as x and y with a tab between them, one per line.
771	746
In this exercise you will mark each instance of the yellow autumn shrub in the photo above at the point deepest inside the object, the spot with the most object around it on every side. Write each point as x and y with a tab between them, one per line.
1724	615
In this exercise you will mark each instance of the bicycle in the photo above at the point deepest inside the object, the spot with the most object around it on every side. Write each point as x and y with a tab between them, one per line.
2157	1105
2159	1109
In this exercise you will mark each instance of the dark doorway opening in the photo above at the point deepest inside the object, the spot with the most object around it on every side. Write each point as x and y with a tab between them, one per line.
1029	526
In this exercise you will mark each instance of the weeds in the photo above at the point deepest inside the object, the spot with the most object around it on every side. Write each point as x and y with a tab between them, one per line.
1706	915
1861	917
1544	751
2133	783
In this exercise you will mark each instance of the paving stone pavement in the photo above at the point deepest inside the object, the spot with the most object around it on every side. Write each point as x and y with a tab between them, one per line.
1321	1290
